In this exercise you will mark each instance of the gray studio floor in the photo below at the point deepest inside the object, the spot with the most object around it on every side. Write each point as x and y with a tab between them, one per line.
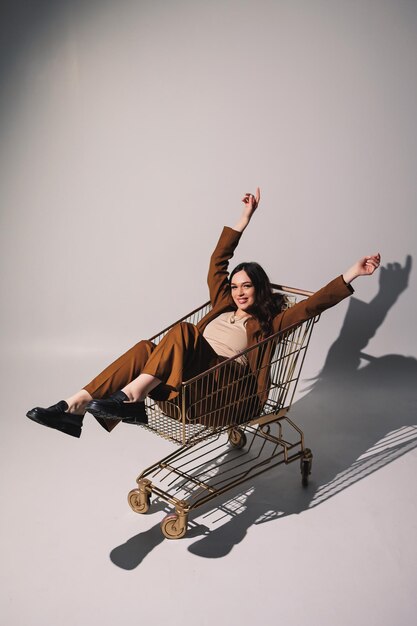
342	551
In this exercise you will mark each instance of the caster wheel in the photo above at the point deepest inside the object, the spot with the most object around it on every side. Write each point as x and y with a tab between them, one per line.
305	465
305	472
171	527
237	438
138	501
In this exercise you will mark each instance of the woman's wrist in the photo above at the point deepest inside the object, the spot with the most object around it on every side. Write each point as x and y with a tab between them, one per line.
349	275
241	225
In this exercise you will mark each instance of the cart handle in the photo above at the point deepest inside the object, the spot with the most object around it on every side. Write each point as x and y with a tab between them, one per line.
294	290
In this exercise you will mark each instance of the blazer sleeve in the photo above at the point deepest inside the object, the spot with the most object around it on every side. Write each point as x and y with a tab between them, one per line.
333	293
218	274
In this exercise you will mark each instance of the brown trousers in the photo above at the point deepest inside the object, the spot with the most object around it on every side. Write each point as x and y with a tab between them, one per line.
180	355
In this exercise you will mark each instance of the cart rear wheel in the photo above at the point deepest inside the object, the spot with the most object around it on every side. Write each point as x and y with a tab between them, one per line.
305	473
305	465
172	528
237	438
138	501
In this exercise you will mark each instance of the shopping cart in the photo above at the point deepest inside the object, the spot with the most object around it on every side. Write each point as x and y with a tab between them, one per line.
226	434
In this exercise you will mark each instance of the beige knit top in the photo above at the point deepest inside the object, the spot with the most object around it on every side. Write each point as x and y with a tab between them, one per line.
227	335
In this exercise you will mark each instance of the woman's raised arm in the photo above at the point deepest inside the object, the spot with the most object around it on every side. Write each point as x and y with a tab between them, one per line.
329	295
250	202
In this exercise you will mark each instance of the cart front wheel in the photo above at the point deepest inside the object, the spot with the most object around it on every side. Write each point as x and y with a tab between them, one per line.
237	438
172	528
139	501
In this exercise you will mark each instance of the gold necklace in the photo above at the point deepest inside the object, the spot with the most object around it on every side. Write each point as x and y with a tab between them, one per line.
234	319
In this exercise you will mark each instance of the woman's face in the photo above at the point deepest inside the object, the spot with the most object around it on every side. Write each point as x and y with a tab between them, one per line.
243	291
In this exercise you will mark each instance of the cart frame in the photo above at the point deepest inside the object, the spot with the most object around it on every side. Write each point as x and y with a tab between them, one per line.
212	428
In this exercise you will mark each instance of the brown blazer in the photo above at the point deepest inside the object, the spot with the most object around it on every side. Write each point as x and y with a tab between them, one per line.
221	301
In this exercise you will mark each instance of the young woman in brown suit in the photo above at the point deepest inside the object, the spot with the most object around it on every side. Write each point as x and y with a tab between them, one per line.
244	311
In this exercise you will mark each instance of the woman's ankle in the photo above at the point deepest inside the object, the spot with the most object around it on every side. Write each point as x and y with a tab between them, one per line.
138	389
131	395
78	402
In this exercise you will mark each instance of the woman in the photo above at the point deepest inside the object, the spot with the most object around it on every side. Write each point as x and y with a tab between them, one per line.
244	311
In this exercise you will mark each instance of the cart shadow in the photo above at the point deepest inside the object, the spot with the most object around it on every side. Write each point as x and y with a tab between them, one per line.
358	416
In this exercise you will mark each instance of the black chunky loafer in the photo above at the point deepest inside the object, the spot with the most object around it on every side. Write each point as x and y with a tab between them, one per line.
56	417
118	407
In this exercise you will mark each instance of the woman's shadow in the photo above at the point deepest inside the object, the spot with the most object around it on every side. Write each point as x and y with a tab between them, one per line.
358	415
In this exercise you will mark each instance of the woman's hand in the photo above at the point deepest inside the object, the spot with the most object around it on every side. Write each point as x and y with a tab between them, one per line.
250	202
366	266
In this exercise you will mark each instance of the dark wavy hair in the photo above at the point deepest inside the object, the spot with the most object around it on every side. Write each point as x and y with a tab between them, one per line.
267	303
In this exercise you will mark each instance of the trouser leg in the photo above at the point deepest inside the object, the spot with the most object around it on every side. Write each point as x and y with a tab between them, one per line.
122	371
118	374
181	354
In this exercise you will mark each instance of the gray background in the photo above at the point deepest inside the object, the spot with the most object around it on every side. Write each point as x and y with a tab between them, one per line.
129	131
